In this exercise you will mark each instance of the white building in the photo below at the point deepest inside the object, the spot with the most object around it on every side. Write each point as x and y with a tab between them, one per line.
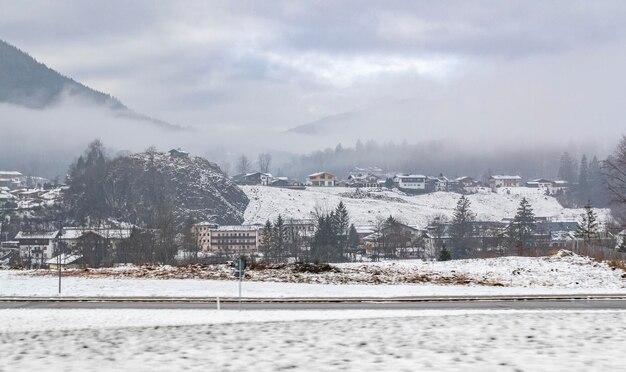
37	247
230	240
410	181
12	179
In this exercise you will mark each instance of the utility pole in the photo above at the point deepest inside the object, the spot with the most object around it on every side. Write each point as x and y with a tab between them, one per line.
59	252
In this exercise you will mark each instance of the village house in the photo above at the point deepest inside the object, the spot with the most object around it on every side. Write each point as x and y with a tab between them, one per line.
254	178
499	181
66	261
540	183
36	247
439	183
73	237
466	184
410	181
300	229
363	180
178	153
5	198
12	179
395	240
326	179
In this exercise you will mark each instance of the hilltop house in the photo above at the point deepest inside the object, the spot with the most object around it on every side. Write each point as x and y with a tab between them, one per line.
321	179
439	183
540	183
178	153
498	181
254	178
363	180
12	179
410	181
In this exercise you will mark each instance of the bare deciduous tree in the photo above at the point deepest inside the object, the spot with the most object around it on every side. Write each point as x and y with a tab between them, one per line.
265	160
243	164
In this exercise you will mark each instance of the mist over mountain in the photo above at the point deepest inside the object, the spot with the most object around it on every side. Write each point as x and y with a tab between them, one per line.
28	83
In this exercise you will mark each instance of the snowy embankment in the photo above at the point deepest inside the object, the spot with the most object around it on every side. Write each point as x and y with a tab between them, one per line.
368	204
165	340
560	274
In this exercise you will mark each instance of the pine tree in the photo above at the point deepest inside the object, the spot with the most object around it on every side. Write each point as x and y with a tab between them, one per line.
583	180
588	226
521	228
444	254
567	168
622	246
279	235
353	237
461	228
265	245
342	224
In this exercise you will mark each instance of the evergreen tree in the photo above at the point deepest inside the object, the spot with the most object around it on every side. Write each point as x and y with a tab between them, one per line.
342	224
353	237
588	226
279	236
265	245
323	240
521	228
567	168
622	246
190	240
389	183
444	254
583	180
598	193
461	229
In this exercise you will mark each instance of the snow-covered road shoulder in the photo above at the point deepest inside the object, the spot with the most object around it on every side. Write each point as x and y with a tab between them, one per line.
561	274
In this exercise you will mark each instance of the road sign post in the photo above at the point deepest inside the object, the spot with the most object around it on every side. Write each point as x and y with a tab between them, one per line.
241	267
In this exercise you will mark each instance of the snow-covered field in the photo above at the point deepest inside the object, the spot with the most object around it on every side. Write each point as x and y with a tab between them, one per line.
269	202
496	276
166	340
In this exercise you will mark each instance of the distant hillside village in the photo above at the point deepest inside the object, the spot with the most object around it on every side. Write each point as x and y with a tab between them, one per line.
410	183
328	236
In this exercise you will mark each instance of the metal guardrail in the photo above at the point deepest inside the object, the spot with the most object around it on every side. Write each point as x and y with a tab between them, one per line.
209	300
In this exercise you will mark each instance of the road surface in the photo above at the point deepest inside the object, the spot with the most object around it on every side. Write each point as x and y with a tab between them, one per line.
527	303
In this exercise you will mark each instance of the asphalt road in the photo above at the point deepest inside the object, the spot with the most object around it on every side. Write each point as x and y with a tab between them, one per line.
603	304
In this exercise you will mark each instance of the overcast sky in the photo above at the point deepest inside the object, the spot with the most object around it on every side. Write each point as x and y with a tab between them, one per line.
503	70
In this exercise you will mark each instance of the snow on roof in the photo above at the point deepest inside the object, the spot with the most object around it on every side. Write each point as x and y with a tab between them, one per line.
239	228
31	192
254	173
10	174
206	223
319	174
65	259
410	176
71	233
505	177
36	235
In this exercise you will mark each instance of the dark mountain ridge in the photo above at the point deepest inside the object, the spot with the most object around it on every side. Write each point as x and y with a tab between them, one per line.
26	82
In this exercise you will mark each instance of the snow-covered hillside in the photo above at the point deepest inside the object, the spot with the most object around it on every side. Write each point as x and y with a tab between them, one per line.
366	205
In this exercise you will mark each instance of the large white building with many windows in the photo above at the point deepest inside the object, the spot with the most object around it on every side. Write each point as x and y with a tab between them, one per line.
410	181
229	240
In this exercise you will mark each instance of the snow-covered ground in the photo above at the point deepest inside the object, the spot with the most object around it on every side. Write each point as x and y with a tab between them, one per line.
169	340
269	202
497	276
